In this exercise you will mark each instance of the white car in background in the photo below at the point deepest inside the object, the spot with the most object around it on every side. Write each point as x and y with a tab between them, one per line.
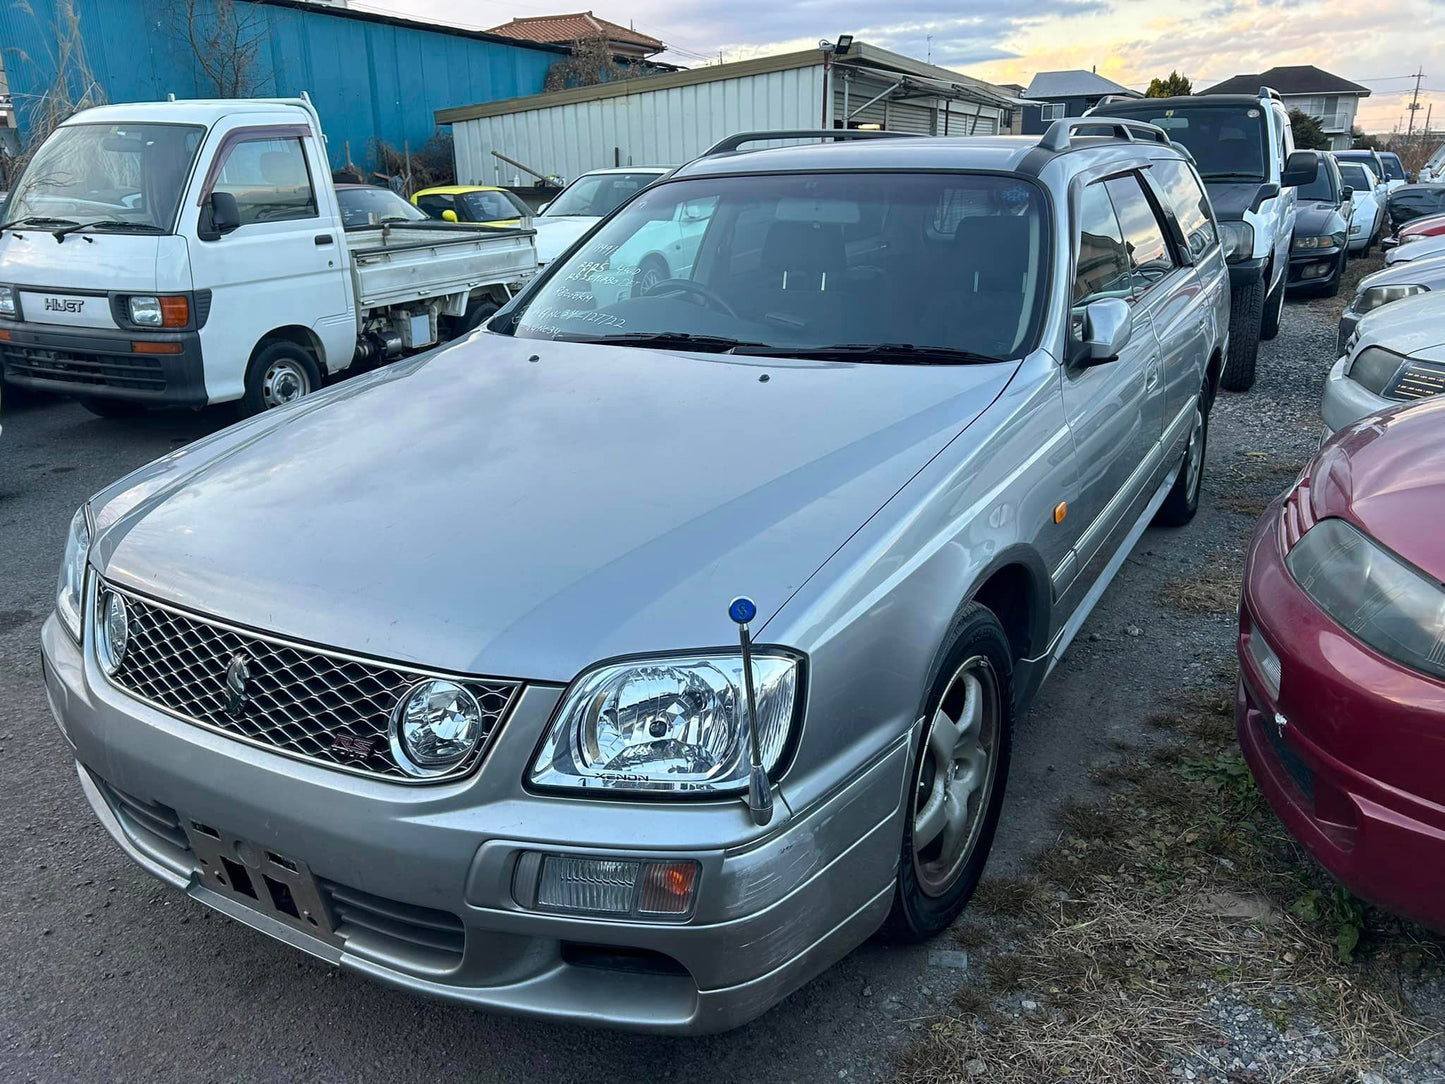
1367	205
1396	356
585	201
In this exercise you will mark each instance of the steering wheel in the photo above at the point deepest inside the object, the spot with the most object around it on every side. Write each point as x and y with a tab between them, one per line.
709	297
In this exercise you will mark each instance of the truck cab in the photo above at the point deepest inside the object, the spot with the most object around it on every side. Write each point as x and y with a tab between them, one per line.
192	252
1244	149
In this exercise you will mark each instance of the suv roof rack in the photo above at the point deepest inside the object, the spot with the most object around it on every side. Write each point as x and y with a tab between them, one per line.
734	142
1060	135
1270	92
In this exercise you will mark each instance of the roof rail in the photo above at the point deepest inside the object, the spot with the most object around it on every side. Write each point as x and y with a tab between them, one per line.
1060	135
733	142
1270	92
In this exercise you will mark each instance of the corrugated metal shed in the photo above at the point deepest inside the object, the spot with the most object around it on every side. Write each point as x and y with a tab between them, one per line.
667	119
371	76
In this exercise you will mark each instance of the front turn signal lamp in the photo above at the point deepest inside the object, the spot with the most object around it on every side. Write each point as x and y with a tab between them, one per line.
608	887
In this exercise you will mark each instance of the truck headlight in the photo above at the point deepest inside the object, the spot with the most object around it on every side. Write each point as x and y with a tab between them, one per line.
1374	595
71	586
8	308
145	311
672	725
1374	368
148	310
1238	240
1373	297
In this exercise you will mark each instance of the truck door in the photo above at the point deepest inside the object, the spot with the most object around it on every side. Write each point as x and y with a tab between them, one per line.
284	265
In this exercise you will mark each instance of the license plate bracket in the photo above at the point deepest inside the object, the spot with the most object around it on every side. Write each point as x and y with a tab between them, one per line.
276	885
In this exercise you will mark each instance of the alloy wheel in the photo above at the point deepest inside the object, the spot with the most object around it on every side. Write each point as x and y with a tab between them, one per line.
1194	461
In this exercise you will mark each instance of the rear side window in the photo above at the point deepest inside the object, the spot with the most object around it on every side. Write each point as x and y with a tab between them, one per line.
1149	257
1191	206
270	180
1102	266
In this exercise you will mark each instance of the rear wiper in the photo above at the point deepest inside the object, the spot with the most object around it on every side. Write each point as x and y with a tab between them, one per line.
881	353
682	340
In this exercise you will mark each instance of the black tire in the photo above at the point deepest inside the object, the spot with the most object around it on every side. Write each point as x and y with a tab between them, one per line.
112	408
1246	310
650	272
976	640
270	376
1273	313
1183	500
478	312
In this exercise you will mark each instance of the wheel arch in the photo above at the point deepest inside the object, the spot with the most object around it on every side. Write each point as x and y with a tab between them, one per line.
300	336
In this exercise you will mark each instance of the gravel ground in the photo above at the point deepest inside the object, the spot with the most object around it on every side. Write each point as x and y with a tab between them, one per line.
107	975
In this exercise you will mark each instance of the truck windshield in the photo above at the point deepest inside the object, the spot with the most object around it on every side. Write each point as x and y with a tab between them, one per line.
1227	141
121	175
875	267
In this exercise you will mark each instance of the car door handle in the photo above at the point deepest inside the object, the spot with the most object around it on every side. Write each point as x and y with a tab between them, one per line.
322	239
1152	380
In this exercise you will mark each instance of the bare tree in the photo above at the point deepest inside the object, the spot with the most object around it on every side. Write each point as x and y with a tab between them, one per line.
73	85
224	38
592	62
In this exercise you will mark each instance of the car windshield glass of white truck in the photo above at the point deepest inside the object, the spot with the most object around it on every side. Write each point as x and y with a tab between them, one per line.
120	177
877	267
1227	141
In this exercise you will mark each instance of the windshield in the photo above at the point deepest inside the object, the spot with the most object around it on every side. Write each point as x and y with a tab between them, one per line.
1227	141
597	194
372	206
797	262
123	175
492	206
1357	177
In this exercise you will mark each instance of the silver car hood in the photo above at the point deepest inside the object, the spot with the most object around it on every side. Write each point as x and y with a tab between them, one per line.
483	512
1413	326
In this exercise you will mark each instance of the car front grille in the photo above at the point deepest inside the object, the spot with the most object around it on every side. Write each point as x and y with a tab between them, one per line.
326	707
138	372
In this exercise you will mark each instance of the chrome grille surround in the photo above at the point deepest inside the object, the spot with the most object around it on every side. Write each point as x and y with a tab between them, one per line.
326	707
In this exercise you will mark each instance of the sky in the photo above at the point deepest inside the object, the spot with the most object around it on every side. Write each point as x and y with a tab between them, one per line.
1378	43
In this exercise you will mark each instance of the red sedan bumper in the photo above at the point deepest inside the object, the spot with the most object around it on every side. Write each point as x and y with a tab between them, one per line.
1351	754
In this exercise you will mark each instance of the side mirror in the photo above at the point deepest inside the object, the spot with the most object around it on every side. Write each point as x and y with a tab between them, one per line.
219	216
1347	193
449	216
1301	169
1108	324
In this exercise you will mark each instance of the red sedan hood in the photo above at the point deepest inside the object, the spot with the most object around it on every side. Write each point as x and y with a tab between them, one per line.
1386	475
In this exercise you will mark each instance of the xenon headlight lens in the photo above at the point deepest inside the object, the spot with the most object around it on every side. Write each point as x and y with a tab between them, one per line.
435	726
1374	368
670	725
1372	297
1238	238
71	584
112	632
1377	597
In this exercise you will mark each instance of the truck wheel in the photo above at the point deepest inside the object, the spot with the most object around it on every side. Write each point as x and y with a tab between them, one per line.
1183	500
281	373
112	408
1273	313
478	312
956	789
1245	316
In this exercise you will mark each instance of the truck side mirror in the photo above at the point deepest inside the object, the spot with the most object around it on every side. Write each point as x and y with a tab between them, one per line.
219	216
1108	325
449	216
1301	169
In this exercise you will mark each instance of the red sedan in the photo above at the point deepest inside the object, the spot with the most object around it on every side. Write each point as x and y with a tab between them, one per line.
1340	706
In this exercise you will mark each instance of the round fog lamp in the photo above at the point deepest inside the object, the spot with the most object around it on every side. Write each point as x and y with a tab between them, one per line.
114	632
436	724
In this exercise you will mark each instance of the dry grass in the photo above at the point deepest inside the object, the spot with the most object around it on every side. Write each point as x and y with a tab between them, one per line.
1250	505
1214	589
1180	885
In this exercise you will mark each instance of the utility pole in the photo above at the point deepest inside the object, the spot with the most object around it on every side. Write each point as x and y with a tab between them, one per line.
1414	102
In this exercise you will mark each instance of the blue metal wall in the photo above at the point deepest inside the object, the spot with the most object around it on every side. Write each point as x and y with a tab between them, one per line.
369	79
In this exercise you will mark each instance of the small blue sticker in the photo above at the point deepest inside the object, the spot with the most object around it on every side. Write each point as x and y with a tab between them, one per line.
742	609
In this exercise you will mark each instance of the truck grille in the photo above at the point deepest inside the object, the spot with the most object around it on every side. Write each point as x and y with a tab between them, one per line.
325	707
135	371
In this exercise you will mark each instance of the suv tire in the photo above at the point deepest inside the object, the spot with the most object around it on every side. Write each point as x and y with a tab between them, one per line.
974	682
1246	305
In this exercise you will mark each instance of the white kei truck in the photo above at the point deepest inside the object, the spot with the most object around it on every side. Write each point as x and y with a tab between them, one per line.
183	253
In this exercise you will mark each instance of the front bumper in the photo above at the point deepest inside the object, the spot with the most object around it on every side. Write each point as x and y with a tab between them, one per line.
102	363
1346	401
1349	771
1313	267
1349	320
775	906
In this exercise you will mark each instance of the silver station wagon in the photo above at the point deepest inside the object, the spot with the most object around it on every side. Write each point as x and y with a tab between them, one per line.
631	661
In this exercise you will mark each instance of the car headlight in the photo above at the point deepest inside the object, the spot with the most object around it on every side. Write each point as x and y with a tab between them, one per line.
1238	240
1377	597
1374	368
1373	297
1306	244
146	311
8	306
71	586
670	724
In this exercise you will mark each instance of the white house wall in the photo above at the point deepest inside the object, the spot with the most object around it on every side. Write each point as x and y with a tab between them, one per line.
655	128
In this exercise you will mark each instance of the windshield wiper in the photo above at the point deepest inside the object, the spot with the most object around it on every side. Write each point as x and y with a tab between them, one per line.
881	353
682	340
107	224
39	221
